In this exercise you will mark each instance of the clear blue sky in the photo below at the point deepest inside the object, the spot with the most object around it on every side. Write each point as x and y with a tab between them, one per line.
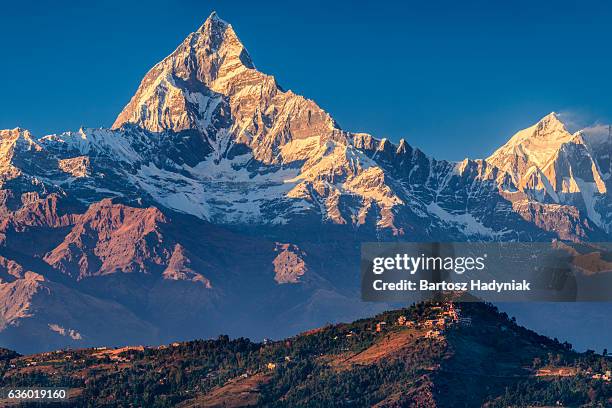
455	78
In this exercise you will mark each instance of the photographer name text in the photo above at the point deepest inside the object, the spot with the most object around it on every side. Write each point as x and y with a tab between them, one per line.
474	285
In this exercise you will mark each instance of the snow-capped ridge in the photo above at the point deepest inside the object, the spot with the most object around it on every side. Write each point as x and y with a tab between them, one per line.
534	145
550	164
209	135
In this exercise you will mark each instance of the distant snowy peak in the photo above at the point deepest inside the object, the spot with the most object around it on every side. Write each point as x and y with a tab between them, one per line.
533	146
552	165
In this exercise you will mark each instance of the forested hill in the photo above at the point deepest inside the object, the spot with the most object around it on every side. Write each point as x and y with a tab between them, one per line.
428	355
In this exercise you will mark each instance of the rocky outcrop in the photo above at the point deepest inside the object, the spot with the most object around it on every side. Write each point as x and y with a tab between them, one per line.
289	264
109	238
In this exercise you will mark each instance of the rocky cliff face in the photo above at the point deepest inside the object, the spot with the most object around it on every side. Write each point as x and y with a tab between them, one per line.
217	191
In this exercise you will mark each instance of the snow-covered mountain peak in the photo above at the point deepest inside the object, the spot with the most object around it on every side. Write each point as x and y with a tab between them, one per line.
15	138
551	122
16	133
214	18
548	133
209	84
549	164
533	146
186	89
218	36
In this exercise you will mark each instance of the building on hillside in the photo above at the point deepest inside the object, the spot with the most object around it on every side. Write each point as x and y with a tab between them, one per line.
435	323
433	334
451	314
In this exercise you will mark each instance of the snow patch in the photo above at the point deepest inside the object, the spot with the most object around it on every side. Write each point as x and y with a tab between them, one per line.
465	222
